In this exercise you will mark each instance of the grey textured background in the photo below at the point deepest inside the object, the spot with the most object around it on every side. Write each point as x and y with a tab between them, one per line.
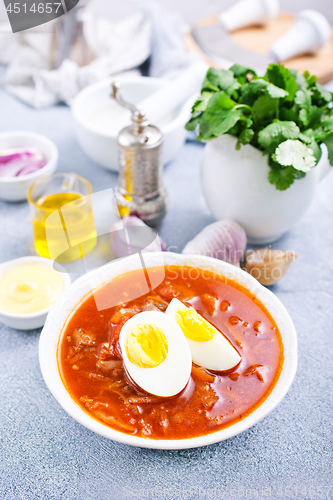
46	455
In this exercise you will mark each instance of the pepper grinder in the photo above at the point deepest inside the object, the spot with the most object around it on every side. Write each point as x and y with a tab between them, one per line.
140	190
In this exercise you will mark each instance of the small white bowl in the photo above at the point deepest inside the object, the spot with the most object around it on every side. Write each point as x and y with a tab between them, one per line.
102	146
31	320
68	302
16	188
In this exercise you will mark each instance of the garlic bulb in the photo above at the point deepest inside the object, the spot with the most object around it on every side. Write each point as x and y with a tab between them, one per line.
131	235
268	265
224	240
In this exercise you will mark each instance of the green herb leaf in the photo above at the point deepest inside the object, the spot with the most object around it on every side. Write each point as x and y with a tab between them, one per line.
281	77
251	91
265	108
276	74
322	94
216	125
246	121
310	117
300	80
311	80
202	102
299	174
257	87
307	139
329	144
220	101
315	116
245	137
219	116
315	150
239	70
208	86
282	178
317	134
272	135
276	92
192	123
304	117
296	154
303	98
220	79
327	123
290	114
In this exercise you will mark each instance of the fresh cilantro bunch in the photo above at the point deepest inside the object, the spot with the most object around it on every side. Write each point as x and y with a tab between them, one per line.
284	114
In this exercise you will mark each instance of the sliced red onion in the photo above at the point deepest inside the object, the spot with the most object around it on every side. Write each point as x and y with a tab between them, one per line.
132	235
20	161
225	240
8	157
10	170
32	167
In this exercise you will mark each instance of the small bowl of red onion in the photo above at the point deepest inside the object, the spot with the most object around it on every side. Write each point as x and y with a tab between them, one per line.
24	158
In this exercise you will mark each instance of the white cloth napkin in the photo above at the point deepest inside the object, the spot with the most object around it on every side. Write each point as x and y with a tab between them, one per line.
117	47
28	56
168	53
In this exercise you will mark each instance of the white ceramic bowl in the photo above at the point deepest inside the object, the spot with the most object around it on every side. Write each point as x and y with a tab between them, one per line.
48	347
16	188
101	146
32	320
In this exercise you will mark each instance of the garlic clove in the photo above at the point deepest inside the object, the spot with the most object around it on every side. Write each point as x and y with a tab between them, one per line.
225	240
131	235
268	265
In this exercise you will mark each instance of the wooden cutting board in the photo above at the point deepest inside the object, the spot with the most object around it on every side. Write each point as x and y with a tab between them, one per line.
259	39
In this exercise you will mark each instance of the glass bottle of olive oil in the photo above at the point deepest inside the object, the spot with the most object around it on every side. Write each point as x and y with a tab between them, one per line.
63	226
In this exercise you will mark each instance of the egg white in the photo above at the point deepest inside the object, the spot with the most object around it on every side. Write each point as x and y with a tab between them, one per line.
171	376
216	354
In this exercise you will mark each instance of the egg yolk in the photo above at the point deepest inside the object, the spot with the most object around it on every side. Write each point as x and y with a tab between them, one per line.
194	326
146	346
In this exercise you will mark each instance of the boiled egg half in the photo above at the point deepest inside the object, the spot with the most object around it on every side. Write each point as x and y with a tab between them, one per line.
209	347
155	353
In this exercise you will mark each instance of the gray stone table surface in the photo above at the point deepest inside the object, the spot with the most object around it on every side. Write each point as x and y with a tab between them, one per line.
46	455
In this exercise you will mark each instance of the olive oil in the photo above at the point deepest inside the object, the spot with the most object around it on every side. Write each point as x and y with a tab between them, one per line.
64	227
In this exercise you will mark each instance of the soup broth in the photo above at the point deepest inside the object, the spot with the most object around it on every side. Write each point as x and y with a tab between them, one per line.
91	366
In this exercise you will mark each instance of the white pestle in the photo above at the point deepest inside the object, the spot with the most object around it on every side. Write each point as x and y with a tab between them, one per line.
168	98
248	13
310	31
174	94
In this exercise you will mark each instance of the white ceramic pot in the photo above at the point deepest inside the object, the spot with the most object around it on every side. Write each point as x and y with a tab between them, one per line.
235	185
